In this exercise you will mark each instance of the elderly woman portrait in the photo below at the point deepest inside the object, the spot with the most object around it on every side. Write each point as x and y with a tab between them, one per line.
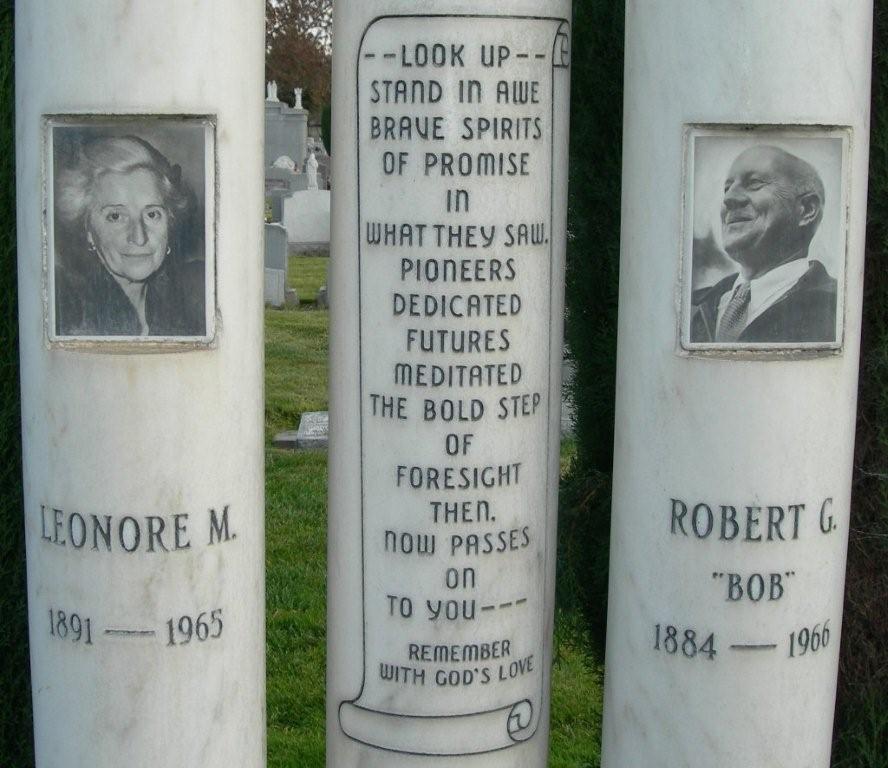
127	259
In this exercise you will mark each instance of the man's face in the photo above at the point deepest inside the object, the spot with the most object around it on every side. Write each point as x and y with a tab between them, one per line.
759	213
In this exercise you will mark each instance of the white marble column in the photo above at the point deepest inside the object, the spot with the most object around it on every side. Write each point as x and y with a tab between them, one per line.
447	267
140	200
744	207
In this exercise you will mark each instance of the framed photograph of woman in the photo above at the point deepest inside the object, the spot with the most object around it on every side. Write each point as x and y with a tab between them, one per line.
130	230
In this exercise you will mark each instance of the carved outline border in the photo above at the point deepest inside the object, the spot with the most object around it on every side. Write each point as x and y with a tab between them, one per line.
758	352
128	344
560	37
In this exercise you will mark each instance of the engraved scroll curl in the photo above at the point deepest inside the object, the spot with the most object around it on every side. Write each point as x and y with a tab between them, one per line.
413	698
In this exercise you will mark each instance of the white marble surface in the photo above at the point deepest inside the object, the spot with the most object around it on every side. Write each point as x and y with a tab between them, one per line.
160	438
307	217
444	657
749	426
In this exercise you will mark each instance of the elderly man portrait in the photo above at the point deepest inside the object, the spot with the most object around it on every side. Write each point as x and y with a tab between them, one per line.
771	210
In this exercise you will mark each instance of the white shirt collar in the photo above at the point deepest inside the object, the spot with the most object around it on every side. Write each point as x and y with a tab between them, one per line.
765	290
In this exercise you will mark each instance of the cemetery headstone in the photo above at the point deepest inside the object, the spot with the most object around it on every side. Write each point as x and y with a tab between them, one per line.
286	131
276	258
313	430
139	224
306	215
739	332
312	434
281	181
447	265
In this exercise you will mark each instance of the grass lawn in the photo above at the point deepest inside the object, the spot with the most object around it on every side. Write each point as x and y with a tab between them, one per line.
296	520
306	274
296	533
295	367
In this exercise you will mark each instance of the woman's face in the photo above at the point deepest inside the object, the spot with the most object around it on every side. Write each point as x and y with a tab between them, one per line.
129	224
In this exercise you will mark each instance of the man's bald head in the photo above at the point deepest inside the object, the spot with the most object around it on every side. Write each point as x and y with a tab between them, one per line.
804	175
772	207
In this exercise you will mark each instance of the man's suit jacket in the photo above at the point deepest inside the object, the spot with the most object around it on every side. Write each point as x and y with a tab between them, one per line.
805	313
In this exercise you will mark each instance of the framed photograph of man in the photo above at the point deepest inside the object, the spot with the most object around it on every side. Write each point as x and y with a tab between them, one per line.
765	239
130	253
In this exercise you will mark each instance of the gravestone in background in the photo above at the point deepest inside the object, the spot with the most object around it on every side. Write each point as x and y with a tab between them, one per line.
141	360
306	215
446	340
740	305
286	132
314	428
286	129
276	260
281	182
312	434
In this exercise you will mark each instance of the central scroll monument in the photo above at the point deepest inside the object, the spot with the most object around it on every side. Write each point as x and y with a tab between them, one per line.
448	253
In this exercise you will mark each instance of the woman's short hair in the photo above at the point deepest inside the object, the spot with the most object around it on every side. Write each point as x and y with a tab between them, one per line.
116	154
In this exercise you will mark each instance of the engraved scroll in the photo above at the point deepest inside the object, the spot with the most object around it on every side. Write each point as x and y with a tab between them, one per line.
461	123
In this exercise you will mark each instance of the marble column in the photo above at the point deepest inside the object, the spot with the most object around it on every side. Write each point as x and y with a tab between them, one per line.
447	265
140	207
744	208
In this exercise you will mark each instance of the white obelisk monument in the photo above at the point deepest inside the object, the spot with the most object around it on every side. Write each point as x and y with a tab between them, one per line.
447	264
140	201
744	209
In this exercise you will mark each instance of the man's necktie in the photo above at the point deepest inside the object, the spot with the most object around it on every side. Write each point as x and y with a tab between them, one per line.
734	318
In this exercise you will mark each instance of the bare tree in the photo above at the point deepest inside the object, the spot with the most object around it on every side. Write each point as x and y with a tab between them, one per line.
298	39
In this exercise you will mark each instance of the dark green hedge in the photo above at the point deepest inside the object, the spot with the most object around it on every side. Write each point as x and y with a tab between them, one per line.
15	689
326	128
591	299
592	272
862	716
